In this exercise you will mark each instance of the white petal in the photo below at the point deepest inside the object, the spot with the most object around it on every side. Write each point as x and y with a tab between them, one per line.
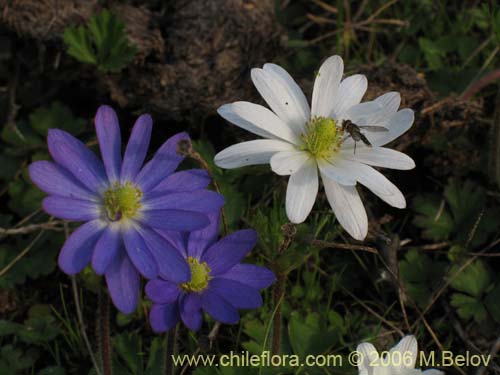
351	91
301	192
377	183
432	372
258	120
326	86
250	153
368	355
391	100
408	350
281	98
296	93
334	170
397	124
379	157
348	208
286	163
368	114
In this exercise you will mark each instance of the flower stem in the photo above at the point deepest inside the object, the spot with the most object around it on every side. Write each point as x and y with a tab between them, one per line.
81	323
104	334
289	232
278	294
171	349
186	148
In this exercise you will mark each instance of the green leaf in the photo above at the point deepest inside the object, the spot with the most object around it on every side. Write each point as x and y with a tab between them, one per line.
492	302
420	275
468	307
473	280
437	223
56	116
103	42
128	347
310	336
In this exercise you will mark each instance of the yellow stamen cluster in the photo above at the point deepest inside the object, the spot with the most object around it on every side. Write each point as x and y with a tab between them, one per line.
322	137
200	276
122	201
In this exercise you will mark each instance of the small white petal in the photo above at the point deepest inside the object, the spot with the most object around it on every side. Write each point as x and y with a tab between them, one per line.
281	98
377	183
326	86
351	91
368	355
286	163
378	157
348	208
408	350
334	170
250	153
258	120
301	192
397	124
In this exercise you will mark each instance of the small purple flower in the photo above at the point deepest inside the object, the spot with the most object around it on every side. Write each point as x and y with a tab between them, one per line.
219	284
123	204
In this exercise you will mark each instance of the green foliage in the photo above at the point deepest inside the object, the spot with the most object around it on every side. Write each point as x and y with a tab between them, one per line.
475	284
132	358
455	216
103	42
421	276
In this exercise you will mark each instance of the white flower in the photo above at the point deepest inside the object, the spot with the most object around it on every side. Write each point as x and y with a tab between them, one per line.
299	141
399	361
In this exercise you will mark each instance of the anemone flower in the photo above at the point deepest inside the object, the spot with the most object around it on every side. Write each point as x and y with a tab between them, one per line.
338	138
400	360
123	204
219	283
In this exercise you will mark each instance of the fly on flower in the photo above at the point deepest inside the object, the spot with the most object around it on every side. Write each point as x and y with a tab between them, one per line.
123	204
219	283
310	142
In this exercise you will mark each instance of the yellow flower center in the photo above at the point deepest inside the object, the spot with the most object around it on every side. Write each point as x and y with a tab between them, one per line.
200	276
322	137
122	201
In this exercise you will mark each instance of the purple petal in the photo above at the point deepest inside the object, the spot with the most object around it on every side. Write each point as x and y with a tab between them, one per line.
177	220
171	264
137	148
56	180
78	248
71	209
106	249
190	310
110	141
254	276
139	253
189	180
237	294
204	201
161	291
164	162
77	158
163	317
201	239
176	239
123	283
230	250
218	308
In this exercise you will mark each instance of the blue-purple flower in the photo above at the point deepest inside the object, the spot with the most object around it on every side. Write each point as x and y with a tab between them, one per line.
123	204
219	283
